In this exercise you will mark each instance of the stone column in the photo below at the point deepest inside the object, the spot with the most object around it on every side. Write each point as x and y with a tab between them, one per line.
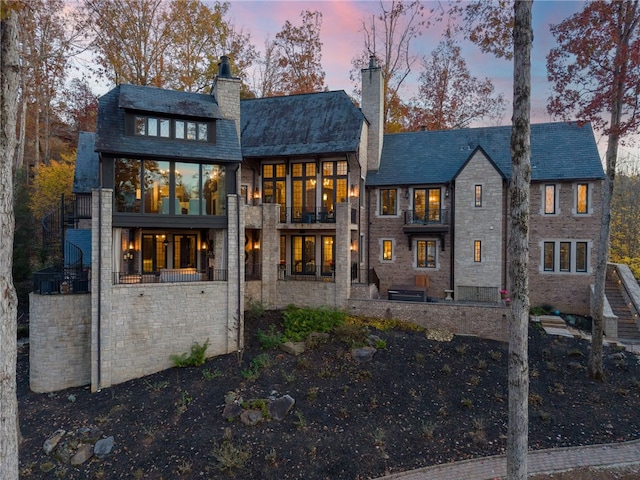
343	255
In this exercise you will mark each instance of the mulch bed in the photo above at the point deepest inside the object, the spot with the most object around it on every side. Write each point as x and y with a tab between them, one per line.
419	402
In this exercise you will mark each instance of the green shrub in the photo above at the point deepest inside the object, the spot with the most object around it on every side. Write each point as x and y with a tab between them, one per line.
254	309
271	338
537	311
300	322
194	359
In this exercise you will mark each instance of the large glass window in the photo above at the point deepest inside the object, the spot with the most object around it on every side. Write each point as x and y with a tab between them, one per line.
582	200
328	255
154	252
549	199
184	251
388	201
274	187
334	185
161	127
303	254
426	254
304	191
427	204
127	190
169	188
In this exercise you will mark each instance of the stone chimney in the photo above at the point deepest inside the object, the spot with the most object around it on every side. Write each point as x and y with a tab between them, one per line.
373	109
226	91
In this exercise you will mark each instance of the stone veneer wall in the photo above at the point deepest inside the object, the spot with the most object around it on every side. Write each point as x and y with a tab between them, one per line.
482	223
567	292
484	321
136	327
59	341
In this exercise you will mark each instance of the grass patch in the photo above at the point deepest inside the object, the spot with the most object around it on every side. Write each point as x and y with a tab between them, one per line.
300	322
195	358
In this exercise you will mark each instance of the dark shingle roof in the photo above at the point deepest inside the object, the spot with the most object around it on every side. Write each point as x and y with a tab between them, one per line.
559	151
85	176
308	124
111	136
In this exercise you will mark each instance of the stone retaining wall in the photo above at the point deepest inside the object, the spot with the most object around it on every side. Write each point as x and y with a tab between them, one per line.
59	341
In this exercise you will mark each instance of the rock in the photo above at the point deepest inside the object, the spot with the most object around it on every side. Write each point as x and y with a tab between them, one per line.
231	411
293	348
103	447
279	407
362	355
251	417
230	397
52	442
372	340
316	338
84	453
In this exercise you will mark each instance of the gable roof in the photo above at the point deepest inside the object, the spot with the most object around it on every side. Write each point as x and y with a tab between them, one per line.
85	175
307	124
559	151
111	137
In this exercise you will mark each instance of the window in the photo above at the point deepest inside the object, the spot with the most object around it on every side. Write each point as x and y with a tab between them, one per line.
328	255
304	191
565	256
426	205
274	187
387	250
478	196
161	127
303	253
477	251
549	256
549	199
582	200
154	252
184	251
426	254
334	185
581	256
388	201
169	188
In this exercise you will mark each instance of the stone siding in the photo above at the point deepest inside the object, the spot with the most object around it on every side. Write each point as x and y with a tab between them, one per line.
570	291
484	321
59	341
482	223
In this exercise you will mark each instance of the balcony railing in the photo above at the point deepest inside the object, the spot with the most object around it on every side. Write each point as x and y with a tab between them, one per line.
309	272
318	215
54	280
435	216
171	275
478	294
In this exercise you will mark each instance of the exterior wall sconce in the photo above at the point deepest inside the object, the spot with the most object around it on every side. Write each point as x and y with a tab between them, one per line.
256	193
128	255
352	191
256	245
204	246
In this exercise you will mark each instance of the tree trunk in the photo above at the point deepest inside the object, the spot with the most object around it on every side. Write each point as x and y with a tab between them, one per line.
517	434
9	71
627	13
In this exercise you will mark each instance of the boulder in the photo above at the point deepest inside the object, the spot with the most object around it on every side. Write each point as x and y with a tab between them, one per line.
293	348
52	442
363	355
251	417
84	453
279	407
103	447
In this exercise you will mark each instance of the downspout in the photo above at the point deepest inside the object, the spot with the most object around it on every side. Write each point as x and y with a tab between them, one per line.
99	306
240	246
452	268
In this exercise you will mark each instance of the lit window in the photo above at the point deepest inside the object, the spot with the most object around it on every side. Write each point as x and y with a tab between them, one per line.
478	196
582	204
477	251
549	256
565	256
549	199
388	201
426	254
387	250
581	256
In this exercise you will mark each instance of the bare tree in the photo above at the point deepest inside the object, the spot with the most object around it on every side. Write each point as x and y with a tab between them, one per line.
596	70
9	79
449	96
388	36
517	433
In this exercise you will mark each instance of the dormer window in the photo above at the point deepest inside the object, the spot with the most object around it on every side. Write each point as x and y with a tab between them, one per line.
171	128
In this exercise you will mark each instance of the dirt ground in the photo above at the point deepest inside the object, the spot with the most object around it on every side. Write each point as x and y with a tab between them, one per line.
421	400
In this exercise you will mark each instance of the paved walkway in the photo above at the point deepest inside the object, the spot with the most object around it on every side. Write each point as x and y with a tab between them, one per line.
540	461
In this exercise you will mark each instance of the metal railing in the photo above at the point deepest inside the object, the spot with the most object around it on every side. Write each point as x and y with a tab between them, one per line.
309	272
318	215
478	294
434	216
55	280
170	275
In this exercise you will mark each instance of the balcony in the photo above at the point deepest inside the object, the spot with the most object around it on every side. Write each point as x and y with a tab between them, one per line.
434	221
171	275
306	273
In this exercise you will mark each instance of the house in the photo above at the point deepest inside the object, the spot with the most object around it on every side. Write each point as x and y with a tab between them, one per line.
207	203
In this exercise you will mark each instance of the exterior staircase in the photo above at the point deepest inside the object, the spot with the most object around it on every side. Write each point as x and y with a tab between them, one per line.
627	329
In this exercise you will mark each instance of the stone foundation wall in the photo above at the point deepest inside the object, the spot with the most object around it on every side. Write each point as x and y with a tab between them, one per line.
59	341
484	321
